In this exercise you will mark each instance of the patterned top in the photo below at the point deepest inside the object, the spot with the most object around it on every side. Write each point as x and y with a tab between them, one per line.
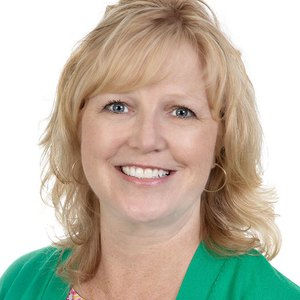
73	295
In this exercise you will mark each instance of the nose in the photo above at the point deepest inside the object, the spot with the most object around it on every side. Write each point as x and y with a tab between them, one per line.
147	134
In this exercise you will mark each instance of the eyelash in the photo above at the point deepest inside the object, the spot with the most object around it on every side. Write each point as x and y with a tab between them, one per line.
112	102
192	114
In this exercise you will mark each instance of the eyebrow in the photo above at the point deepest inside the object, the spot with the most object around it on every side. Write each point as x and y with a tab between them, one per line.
200	96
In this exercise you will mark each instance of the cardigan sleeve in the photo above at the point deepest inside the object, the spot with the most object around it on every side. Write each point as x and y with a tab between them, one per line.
253	277
248	277
33	276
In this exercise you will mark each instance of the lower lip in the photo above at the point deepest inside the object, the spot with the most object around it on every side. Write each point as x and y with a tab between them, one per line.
146	181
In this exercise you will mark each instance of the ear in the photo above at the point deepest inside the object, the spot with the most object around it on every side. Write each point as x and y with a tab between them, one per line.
81	111
82	104
219	153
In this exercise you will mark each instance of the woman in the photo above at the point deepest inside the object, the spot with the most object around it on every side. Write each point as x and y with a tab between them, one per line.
160	192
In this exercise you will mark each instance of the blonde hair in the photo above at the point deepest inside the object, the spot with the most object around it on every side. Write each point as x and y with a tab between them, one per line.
126	51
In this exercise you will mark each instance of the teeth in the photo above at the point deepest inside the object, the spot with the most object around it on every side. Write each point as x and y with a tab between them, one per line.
144	173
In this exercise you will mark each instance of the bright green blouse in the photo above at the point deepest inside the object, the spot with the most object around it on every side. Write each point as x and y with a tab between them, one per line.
208	276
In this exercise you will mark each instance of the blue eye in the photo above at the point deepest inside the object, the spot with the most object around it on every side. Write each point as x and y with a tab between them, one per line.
116	107
183	113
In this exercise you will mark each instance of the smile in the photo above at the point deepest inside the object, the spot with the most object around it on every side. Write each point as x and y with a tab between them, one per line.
144	173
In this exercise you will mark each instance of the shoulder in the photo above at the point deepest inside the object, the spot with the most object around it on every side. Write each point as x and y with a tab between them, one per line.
252	275
249	276
33	274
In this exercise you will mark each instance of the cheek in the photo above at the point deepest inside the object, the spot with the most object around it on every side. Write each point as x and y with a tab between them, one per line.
99	142
97	147
92	145
88	138
93	142
198	146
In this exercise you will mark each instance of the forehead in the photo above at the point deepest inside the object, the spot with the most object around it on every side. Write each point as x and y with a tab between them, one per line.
181	74
183	65
180	77
173	62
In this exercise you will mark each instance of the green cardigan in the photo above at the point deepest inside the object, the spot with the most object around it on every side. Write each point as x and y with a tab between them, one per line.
209	276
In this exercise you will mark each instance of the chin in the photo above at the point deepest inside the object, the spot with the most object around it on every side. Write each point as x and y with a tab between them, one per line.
147	215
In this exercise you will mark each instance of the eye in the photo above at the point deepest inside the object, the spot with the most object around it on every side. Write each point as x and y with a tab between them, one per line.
183	112
116	107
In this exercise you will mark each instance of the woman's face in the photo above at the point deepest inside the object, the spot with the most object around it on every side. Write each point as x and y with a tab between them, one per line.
147	154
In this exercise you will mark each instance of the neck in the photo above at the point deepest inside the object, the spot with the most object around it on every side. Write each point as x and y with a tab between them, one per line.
131	251
130	237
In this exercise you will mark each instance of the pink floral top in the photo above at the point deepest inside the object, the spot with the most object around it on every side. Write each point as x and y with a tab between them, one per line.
73	295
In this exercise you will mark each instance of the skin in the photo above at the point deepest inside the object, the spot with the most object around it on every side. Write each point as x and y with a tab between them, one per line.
147	223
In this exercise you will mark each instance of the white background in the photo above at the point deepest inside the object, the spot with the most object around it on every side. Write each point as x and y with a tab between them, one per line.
37	38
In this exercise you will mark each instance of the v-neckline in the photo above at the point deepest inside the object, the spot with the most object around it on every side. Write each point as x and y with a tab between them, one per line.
201	274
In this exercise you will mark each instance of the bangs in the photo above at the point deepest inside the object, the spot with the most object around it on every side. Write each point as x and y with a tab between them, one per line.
145	59
138	51
139	61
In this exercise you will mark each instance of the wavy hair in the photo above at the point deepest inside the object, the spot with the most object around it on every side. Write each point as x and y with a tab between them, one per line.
126	51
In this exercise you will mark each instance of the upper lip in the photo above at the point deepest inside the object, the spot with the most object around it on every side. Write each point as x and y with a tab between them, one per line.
144	166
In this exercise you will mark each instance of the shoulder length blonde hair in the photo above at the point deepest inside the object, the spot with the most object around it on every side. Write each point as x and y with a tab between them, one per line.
126	51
